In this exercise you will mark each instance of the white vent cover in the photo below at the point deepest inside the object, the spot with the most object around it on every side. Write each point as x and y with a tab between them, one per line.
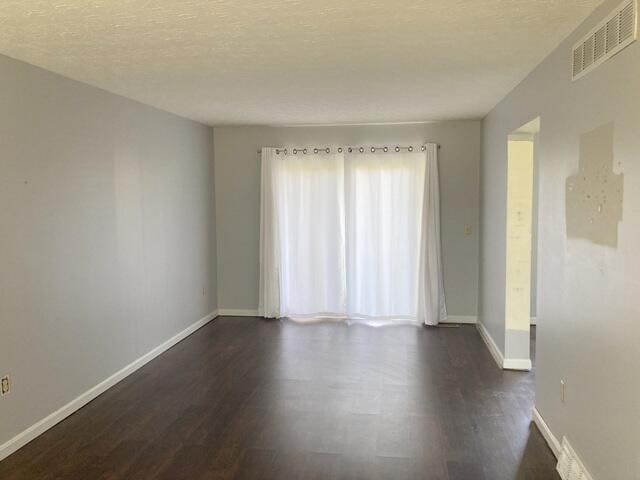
615	32
569	465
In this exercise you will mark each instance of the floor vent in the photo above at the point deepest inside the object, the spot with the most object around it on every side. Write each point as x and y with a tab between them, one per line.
615	32
569	465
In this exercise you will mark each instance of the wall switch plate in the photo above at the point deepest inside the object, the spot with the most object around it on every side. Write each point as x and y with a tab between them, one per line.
5	385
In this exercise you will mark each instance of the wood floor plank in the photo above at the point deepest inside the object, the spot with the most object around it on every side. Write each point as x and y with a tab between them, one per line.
245	398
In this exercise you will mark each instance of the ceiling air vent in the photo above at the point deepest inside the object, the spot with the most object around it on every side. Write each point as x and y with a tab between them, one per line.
610	36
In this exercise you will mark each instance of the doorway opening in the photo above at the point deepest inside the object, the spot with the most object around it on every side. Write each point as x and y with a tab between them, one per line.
521	241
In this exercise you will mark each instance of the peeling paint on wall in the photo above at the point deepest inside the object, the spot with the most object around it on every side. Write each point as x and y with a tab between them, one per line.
594	193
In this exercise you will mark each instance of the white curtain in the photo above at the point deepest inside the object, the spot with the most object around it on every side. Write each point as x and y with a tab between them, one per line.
352	235
431	300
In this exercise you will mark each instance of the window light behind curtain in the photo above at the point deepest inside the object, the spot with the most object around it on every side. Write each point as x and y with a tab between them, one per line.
351	235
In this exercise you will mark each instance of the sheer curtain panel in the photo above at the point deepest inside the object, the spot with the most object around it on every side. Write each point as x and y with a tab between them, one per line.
351	235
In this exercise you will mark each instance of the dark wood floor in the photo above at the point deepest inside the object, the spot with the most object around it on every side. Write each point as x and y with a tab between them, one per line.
246	398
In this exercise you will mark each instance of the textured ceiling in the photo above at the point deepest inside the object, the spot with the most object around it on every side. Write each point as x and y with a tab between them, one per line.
294	61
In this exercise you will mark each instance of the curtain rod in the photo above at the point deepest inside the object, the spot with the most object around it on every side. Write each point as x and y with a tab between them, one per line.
305	150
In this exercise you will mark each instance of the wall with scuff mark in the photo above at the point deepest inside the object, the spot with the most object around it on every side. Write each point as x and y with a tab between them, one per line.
589	287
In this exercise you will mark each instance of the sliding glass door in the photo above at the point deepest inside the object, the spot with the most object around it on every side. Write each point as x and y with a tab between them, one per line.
346	235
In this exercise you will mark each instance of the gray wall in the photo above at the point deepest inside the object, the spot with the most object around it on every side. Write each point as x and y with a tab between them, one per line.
107	243
588	302
237	190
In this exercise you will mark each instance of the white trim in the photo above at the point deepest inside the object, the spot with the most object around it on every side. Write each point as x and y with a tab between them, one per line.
237	312
503	363
569	463
534	321
491	345
546	432
462	319
521	137
49	421
517	364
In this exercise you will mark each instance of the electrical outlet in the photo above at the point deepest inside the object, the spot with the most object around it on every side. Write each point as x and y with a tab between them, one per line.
562	390
5	385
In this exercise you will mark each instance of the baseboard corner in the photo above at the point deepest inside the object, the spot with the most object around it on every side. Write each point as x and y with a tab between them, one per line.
523	364
491	344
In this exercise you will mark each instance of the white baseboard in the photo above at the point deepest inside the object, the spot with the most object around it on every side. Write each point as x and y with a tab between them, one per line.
546	432
49	421
517	364
569	463
491	345
236	312
462	319
239	312
503	363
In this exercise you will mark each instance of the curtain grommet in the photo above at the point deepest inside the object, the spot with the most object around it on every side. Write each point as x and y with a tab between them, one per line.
397	149
385	149
361	149
410	148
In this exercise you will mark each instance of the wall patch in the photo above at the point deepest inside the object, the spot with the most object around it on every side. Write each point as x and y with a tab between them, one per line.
594	194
